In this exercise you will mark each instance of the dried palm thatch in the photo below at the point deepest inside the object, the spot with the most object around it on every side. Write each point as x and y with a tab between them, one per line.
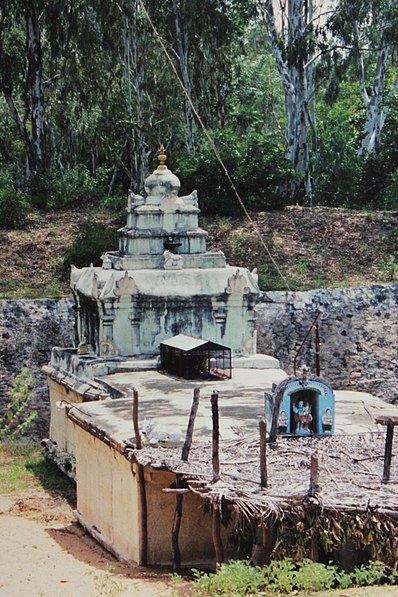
350	502
350	476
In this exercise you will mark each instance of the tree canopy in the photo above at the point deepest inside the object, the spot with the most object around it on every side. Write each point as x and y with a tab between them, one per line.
300	100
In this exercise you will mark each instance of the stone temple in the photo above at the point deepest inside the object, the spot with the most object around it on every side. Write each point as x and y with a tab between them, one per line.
162	282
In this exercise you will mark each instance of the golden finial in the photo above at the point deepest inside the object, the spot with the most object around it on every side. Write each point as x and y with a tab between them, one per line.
162	157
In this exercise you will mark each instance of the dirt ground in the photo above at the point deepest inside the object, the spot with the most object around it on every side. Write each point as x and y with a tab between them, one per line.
45	553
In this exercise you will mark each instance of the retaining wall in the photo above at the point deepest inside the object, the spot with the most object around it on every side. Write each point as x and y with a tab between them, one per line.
358	327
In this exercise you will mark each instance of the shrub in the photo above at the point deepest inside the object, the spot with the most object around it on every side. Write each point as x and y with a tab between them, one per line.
90	242
391	192
281	577
59	189
14	208
256	165
16	421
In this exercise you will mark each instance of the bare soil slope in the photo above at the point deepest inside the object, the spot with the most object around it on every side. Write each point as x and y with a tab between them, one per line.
310	248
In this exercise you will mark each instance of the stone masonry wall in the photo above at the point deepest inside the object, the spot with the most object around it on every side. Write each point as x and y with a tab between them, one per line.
358	327
359	332
28	331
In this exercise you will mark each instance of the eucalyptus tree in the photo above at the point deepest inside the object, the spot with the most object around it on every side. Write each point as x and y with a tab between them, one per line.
40	58
368	30
203	36
292	28
21	81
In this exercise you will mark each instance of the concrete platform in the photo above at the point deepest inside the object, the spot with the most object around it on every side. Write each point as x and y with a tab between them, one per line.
167	400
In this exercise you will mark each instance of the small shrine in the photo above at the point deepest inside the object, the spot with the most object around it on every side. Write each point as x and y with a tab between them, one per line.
304	405
162	281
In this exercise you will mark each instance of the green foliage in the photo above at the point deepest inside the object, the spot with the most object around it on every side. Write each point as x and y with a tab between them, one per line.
391	191
90	242
116	204
16	420
105	585
14	208
369	574
337	168
256	165
390	268
50	477
60	189
285	576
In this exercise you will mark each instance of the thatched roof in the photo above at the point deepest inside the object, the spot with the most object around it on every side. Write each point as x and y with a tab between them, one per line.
350	473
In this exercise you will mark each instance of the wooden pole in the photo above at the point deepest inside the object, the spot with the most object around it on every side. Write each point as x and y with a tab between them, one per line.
176	530
388	451
215	437
179	483
317	351
263	452
216	534
143	554
138	442
275	415
191	423
314	475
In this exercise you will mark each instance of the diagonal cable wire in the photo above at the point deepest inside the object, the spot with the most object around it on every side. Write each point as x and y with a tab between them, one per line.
214	147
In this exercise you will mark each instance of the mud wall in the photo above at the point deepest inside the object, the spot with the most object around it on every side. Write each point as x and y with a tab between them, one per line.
358	327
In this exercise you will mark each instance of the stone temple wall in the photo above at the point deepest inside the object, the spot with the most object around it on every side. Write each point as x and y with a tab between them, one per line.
358	327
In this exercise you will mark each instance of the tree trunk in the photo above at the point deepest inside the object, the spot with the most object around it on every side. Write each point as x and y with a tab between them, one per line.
183	49
134	63
298	84
21	129
35	79
376	99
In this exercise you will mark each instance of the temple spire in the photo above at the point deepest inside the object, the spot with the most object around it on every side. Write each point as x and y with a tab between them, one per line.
162	157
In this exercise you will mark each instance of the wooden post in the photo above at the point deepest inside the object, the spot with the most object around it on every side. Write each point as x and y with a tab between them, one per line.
317	351
257	556
143	555
275	415
191	423
263	453
314	551
388	451
179	483
215	437
176	530
390	422
216	534
138	442
314	476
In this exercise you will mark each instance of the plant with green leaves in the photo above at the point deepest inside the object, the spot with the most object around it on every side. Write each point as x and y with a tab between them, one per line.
105	585
281	577
17	419
14	208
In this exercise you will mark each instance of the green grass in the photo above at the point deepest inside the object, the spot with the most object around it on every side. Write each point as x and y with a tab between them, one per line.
12	290
24	467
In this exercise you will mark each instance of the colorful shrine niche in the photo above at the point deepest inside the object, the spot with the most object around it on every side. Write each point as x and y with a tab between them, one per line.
307	407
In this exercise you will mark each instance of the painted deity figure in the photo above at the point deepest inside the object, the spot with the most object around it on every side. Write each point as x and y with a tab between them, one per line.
282	422
302	417
327	420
